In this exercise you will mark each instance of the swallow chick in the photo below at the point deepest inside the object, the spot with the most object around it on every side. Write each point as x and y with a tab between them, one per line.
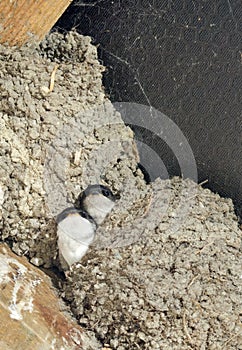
76	226
75	232
97	201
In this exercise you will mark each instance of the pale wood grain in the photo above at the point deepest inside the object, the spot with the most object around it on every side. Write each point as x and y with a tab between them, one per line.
24	20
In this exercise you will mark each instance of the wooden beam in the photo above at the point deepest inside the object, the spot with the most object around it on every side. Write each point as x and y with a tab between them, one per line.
31	316
25	20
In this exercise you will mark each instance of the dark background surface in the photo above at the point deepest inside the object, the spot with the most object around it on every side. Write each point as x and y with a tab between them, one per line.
184	58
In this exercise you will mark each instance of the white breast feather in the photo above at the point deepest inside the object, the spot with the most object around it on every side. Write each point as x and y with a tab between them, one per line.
75	233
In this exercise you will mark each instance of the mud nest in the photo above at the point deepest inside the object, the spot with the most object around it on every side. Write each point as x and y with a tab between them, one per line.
165	269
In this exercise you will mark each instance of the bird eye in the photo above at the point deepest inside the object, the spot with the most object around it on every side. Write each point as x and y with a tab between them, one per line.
106	193
84	215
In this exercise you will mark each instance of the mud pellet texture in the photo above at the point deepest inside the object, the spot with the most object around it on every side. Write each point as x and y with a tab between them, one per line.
171	289
56	123
165	269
